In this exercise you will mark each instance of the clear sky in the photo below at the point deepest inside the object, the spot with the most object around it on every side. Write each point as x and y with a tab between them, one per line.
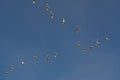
26	29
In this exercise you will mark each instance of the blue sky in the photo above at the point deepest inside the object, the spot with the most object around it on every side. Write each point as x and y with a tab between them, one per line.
26	29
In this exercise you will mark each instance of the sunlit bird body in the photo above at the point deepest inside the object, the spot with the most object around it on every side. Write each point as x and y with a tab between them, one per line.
11	68
63	21
47	57
107	38
97	42
91	46
46	6
51	14
23	62
33	1
55	54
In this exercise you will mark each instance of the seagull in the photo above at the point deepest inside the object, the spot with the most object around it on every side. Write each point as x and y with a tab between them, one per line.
51	14
23	62
107	38
47	58
63	21
91	46
33	1
97	42
46	7
11	68
55	54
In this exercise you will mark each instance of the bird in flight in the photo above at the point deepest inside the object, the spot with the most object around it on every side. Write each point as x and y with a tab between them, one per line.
107	38
23	62
91	46
55	54
11	68
46	6
51	14
33	1
63	21
97	42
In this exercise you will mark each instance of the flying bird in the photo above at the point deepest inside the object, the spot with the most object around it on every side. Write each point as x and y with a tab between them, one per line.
46	6
97	42
11	68
51	14
55	54
63	21
23	62
33	1
47	58
107	38
91	46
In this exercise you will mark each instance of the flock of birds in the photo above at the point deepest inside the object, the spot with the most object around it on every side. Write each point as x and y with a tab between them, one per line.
55	54
91	46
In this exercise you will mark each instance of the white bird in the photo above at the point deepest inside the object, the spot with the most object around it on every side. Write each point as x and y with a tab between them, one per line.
51	14
55	54
63	21
97	42
47	58
11	68
23	62
33	1
91	46
46	6
107	38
